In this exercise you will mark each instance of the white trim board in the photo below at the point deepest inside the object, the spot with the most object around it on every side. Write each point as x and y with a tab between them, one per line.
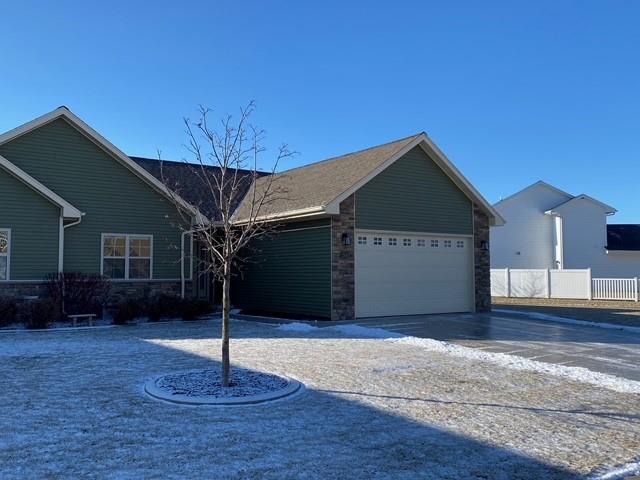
68	210
426	234
609	210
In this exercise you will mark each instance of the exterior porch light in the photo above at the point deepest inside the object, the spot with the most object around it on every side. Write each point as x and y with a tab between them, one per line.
346	238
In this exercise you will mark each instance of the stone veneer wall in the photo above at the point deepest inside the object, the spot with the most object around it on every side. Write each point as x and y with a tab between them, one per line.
23	289
119	290
343	262
139	289
481	260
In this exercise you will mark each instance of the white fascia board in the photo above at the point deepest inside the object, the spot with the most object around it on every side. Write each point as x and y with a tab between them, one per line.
289	215
68	210
106	145
622	252
558	208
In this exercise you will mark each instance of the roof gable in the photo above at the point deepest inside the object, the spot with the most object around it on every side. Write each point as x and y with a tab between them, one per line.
319	188
105	145
565	205
536	185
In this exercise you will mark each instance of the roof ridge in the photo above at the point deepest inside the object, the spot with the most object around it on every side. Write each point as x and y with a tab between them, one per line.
183	162
326	160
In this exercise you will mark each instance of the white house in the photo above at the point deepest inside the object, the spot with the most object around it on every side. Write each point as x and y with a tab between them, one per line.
549	228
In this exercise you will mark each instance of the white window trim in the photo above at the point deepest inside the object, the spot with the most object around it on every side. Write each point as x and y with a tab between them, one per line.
413	234
127	236
8	254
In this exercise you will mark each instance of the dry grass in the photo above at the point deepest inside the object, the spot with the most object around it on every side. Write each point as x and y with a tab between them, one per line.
373	409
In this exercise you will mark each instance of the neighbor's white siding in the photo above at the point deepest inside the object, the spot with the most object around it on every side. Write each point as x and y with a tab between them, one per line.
527	239
584	234
585	238
619	264
574	238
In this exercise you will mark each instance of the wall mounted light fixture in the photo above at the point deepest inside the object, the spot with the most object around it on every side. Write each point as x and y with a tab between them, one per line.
346	238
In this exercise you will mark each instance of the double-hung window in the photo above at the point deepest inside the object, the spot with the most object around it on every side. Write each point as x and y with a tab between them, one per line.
127	257
5	251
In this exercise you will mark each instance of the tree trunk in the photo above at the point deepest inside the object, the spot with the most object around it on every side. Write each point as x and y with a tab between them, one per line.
226	306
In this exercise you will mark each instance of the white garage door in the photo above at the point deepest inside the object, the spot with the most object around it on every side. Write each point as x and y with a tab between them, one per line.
399	274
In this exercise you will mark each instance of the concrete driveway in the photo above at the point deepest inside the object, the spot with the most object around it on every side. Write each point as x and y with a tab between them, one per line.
615	352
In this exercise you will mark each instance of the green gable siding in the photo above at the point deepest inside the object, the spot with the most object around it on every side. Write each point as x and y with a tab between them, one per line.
114	199
35	224
290	274
413	195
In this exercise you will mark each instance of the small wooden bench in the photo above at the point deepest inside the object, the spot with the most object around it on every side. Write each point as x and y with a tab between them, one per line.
82	316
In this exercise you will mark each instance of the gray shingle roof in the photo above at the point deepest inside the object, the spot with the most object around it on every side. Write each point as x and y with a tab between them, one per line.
623	237
186	180
318	184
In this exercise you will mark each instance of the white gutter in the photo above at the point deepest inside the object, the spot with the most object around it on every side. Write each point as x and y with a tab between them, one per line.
61	245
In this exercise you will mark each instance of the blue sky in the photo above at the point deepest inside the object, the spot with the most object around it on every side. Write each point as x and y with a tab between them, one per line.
513	92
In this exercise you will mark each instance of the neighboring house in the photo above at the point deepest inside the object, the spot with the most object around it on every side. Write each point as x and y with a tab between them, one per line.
391	230
549	228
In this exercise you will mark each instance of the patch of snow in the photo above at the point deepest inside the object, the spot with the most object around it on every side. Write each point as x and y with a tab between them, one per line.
554	318
625	471
516	362
297	327
360	331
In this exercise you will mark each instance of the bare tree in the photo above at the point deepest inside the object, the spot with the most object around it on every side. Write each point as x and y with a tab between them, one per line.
223	171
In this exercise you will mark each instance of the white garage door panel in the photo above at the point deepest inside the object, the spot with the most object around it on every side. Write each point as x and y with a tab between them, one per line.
412	279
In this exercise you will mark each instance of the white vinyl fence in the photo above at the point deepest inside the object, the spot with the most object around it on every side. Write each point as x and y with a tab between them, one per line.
615	289
572	284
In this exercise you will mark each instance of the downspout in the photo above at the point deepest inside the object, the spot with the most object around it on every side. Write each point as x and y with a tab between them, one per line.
63	227
182	276
61	244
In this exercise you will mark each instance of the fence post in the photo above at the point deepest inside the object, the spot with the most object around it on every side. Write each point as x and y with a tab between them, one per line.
507	281
590	287
548	283
635	288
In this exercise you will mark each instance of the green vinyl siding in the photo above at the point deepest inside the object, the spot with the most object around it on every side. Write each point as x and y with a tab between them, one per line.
414	195
290	272
35	225
113	198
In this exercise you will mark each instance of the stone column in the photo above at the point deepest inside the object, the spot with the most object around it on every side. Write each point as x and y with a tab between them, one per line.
481	260
343	262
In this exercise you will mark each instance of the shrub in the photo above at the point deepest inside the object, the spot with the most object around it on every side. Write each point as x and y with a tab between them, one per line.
77	293
192	309
8	311
127	310
164	306
39	313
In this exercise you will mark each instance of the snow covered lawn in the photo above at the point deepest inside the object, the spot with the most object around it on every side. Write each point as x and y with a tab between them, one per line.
73	406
